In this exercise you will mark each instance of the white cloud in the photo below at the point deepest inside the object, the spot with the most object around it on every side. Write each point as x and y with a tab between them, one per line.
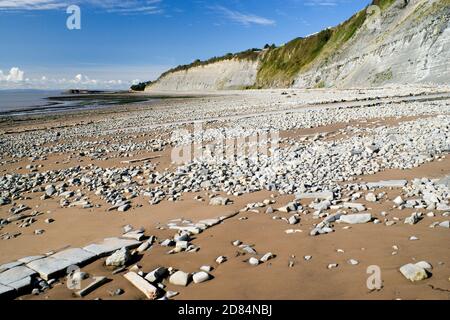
323	3
243	18
112	6
14	75
105	77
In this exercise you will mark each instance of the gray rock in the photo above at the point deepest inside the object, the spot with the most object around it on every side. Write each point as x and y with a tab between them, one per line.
200	277
219	201
253	261
16	274
413	272
75	256
157	275
179	278
49	268
110	245
387	184
356	218
445	224
119	258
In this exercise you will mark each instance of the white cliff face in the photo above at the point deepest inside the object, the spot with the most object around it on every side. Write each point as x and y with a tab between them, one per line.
222	75
411	45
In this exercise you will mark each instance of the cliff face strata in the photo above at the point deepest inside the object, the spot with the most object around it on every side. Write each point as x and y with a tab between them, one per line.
406	41
411	45
222	75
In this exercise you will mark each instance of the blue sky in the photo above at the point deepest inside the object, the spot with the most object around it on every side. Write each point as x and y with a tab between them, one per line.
121	41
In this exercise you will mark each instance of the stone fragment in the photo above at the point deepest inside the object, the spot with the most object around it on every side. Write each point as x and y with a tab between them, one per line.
179	278
150	291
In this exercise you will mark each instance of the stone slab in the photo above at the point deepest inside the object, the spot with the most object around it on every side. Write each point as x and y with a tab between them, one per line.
22	285
6	292
10	265
75	256
149	290
110	245
15	274
49	268
387	184
99	281
325	195
31	258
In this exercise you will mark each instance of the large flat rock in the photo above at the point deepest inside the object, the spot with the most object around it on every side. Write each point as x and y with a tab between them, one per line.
31	258
387	184
49	268
110	245
16	274
325	195
6	292
356	218
10	265
75	256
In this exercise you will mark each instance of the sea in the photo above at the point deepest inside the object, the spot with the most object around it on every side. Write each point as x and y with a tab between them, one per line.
31	102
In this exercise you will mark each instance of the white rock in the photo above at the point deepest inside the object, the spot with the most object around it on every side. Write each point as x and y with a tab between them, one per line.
356	218
200	277
118	258
179	278
413	272
253	261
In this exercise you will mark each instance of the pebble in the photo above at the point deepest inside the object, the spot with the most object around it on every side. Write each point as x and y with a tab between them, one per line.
119	258
253	261
179	278
200	277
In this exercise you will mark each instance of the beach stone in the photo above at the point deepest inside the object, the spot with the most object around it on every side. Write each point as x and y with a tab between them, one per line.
413	219
200	277
307	258
356	218
371	197
269	210
221	259
357	206
324	195
387	184
49	267
179	278
150	291
98	282
293	220
6	292
219	201
424	265
413	272
253	261
10	265
398	201
353	262
16	275
75	256
445	224
31	258
119	258
206	268
109	245
157	275
267	257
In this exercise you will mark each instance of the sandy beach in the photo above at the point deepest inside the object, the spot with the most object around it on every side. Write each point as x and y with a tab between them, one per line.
70	180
